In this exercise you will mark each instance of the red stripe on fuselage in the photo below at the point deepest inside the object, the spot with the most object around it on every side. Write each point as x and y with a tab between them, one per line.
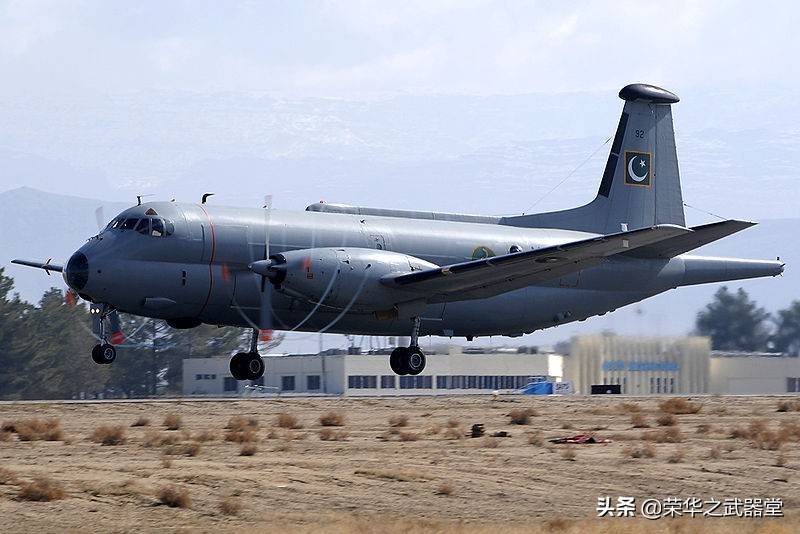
210	261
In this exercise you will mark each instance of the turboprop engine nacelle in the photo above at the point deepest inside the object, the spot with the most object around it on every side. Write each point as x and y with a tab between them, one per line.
341	277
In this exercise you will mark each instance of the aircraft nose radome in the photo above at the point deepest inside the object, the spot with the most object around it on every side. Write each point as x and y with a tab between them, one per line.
76	272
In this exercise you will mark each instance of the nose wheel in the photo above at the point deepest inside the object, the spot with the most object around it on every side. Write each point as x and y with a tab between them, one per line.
408	360
104	353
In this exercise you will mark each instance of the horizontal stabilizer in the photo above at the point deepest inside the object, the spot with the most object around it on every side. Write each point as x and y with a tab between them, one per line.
46	265
499	274
701	235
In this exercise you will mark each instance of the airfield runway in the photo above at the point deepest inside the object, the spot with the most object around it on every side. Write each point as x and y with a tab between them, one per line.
396	464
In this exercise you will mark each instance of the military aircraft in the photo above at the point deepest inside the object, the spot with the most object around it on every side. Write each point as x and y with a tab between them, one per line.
358	270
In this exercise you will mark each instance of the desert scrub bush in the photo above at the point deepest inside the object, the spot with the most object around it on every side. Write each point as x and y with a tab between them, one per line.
329	434
667	420
331	419
8	426
109	435
569	454
230	505
173	421
788	406
670	434
629	407
521	416
704	428
204	436
6	436
646	450
245	435
408	436
445	488
398	421
141	421
715	452
287	420
677	455
39	429
433	430
7	476
639	421
248	449
41	489
184	449
453	432
174	497
453	423
240	422
158	439
679	406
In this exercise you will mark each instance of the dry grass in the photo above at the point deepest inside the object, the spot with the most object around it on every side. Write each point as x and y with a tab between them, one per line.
521	416
638	420
629	407
246	435
6	436
205	436
408	436
704	428
453	423
248	449
41	489
331	419
667	420
569	454
715	452
230	506
240	423
158	439
184	449
677	455
329	434
166	462
398	421
679	406
38	429
453	432
670	434
7	476
174	497
445	488
287	420
8	426
141	421
536	439
173	421
647	450
109	435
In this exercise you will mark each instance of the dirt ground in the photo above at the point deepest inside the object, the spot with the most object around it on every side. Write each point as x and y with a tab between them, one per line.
425	476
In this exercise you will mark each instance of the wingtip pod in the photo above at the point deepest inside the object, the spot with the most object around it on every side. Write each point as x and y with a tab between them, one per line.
703	270
642	92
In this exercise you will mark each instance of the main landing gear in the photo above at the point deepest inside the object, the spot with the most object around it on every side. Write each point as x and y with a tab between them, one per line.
409	360
248	365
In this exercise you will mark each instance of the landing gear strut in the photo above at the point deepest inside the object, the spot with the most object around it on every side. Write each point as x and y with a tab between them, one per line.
104	352
248	365
409	360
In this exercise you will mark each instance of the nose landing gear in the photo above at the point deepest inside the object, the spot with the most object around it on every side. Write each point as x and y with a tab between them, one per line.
409	360
248	365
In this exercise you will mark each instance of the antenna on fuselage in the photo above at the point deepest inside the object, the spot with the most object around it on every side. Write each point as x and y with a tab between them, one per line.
205	197
140	197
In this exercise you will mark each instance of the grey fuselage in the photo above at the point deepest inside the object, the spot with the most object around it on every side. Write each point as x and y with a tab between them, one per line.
201	271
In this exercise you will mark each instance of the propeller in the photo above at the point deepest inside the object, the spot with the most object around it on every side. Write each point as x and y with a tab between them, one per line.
265	311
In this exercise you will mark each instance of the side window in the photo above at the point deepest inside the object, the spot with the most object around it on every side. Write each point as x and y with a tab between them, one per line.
144	226
169	228
129	224
157	227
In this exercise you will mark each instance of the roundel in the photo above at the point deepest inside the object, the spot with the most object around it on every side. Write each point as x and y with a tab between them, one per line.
482	252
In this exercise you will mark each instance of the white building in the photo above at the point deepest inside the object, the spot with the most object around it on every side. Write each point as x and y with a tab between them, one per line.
329	373
749	373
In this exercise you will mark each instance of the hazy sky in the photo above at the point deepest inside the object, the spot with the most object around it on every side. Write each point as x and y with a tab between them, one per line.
355	47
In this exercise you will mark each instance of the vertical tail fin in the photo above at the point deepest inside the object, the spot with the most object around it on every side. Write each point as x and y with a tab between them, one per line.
641	183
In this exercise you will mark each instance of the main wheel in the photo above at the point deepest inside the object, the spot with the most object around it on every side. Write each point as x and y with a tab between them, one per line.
254	366
397	360
415	360
104	354
238	369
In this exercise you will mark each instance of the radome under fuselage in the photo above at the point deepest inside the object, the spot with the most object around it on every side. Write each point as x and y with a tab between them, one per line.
202	270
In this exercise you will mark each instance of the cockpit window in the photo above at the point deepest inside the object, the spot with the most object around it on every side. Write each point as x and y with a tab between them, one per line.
157	227
129	224
143	227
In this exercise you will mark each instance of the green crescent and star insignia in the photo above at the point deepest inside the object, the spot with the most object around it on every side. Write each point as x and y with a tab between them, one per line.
637	168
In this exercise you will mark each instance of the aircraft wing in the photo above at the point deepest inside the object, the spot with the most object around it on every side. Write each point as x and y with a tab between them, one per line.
498	274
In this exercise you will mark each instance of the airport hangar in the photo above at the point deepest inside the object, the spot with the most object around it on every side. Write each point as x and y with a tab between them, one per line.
639	365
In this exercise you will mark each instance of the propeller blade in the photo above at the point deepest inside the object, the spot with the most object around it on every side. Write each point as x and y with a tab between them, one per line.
99	216
265	311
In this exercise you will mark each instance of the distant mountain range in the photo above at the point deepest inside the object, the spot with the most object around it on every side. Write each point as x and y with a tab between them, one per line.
39	225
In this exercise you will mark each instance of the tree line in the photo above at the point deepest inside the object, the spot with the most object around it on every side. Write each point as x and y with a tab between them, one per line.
735	322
